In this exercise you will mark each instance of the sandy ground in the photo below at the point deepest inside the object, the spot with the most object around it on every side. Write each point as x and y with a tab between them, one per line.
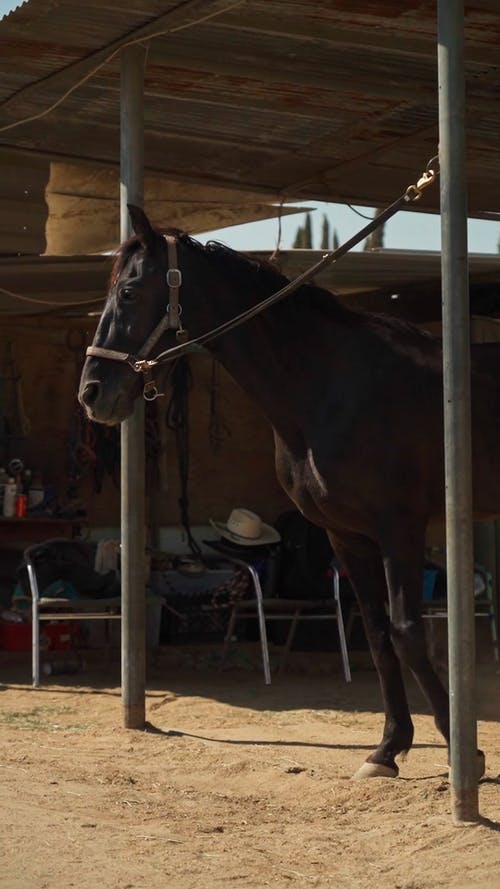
232	785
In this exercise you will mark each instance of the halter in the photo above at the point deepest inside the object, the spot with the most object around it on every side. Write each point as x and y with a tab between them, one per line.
172	319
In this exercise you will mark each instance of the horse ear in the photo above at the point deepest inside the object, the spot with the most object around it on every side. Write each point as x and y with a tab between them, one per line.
141	225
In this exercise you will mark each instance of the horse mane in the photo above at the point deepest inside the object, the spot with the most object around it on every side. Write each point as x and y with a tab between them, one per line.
240	265
127	249
320	298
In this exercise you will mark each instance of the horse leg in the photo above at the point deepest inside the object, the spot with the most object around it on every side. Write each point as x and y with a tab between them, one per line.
364	568
404	567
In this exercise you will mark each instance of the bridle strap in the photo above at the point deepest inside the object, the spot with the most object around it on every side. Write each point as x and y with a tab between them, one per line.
174	281
98	352
170	321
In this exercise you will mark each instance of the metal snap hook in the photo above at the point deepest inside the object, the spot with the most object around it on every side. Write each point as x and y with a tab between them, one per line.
150	392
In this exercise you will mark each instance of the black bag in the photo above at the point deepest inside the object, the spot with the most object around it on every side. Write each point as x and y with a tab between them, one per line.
71	561
304	559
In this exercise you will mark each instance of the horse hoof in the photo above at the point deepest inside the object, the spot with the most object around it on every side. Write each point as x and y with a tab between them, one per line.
374	770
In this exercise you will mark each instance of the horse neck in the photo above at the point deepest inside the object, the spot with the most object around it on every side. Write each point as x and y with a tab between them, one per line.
270	356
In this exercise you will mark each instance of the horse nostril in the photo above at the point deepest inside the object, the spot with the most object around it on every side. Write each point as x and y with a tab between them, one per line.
90	393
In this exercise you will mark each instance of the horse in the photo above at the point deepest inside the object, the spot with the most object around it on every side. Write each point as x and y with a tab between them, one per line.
355	402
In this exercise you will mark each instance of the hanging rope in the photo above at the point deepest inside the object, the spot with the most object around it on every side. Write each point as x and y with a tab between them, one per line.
178	420
363	215
276	252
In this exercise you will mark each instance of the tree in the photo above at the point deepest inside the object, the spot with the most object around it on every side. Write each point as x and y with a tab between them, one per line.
303	237
308	232
299	238
376	239
325	233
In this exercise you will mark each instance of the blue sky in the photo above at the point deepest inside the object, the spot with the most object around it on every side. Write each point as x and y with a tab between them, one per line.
6	6
406	231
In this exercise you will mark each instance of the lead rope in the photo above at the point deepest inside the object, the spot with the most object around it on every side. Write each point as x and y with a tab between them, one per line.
140	363
410	195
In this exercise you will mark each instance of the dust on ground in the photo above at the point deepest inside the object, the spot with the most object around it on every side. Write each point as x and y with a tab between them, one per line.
232	785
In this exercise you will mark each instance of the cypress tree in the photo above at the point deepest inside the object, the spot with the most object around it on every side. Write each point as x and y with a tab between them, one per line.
303	235
325	233
308	232
299	238
376	239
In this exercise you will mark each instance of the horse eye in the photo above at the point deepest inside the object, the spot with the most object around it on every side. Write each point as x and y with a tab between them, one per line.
127	295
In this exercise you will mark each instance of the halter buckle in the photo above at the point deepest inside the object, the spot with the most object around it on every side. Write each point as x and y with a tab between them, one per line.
174	278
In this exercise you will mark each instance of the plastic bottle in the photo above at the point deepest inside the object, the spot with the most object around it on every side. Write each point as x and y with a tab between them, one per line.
9	498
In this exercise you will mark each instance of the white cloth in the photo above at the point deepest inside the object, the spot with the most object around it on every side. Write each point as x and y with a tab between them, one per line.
106	557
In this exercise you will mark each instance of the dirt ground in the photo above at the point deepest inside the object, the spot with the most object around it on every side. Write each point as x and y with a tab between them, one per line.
232	785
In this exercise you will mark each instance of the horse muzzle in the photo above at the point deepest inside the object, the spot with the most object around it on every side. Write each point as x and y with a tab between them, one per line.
103	403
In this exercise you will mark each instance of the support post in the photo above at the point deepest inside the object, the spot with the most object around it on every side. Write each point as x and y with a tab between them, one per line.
132	430
457	412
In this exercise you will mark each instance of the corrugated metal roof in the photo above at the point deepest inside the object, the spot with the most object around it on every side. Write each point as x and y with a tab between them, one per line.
334	102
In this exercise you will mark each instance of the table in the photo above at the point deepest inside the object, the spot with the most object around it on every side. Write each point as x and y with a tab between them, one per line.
18	533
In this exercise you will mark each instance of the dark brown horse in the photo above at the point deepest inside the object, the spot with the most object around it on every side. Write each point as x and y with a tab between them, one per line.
355	402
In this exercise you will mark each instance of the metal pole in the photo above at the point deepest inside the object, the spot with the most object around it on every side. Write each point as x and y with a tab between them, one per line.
457	412
35	622
132	430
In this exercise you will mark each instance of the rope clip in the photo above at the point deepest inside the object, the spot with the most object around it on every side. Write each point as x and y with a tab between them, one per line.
142	365
414	192
427	178
150	391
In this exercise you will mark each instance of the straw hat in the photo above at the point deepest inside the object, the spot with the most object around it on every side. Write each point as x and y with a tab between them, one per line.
246	529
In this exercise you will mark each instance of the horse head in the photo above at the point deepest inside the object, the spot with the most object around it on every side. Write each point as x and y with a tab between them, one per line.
138	318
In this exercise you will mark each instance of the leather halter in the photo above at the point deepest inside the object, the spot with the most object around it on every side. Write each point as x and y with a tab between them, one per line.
170	321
